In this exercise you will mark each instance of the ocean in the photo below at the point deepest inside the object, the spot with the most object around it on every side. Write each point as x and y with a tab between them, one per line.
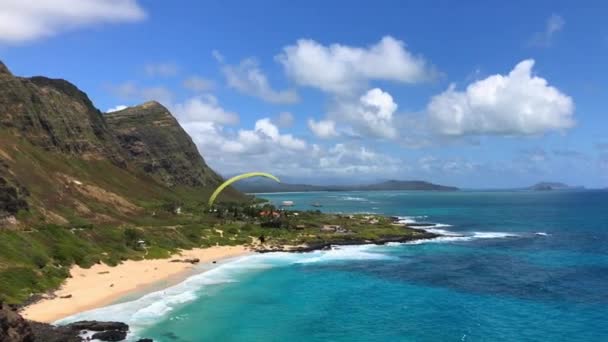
512	266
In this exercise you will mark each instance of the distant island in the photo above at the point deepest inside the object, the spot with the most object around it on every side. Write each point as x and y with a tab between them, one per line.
262	185
548	186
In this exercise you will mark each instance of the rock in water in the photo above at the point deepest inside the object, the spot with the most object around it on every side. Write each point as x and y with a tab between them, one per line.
98	326
110	335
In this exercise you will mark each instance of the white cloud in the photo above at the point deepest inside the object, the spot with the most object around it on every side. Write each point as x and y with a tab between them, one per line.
346	69
323	128
285	119
554	24
29	20
161	69
204	109
267	128
371	115
344	159
265	147
131	91
248	78
515	104
116	109
198	84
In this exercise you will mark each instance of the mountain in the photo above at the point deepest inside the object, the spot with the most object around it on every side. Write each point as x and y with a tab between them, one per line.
408	185
263	185
63	161
546	186
155	141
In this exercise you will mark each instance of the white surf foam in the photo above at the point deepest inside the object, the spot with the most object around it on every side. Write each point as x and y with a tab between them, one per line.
353	198
361	252
152	307
455	237
410	219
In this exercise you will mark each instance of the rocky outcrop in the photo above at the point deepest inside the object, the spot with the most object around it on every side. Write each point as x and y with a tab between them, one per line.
13	328
4	70
192	261
156	142
12	194
12	198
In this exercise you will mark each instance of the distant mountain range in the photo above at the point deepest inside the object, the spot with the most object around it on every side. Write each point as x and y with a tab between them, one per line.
546	186
263	185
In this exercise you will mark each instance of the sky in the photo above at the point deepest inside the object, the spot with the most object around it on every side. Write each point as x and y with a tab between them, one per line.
476	94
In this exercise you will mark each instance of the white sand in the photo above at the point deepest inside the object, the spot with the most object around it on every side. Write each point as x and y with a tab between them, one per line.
102	285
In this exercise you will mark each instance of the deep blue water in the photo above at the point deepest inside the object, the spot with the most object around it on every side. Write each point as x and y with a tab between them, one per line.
517	266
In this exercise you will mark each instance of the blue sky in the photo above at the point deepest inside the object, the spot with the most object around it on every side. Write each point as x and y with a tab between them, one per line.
474	94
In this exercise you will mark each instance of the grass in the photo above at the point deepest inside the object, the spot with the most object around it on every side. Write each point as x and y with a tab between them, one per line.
39	259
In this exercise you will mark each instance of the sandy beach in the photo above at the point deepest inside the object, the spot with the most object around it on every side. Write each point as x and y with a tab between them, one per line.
102	285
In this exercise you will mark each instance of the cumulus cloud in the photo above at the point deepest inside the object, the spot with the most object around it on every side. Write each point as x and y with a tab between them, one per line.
323	128
116	109
266	147
345	159
263	146
554	24
29	20
248	78
343	69
161	69
198	84
519	103
370	115
204	109
267	128
132	91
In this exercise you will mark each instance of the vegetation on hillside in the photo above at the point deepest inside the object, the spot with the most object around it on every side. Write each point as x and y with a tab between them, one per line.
38	259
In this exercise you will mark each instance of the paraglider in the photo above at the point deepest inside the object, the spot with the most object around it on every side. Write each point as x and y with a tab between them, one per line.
237	178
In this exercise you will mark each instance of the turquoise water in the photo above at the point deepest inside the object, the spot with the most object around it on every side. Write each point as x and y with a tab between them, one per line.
515	266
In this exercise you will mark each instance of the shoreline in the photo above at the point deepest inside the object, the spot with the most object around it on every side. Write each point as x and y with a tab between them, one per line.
102	285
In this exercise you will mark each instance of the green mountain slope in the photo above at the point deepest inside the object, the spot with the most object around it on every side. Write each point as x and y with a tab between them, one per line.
62	161
79	187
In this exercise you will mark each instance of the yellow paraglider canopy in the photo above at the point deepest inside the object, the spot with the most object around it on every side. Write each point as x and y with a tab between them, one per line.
237	178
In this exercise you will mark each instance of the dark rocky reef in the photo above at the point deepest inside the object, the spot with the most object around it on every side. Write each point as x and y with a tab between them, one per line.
420	235
14	328
156	142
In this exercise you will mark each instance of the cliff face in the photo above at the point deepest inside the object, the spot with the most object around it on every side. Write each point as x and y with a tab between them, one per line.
155	141
55	115
62	160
